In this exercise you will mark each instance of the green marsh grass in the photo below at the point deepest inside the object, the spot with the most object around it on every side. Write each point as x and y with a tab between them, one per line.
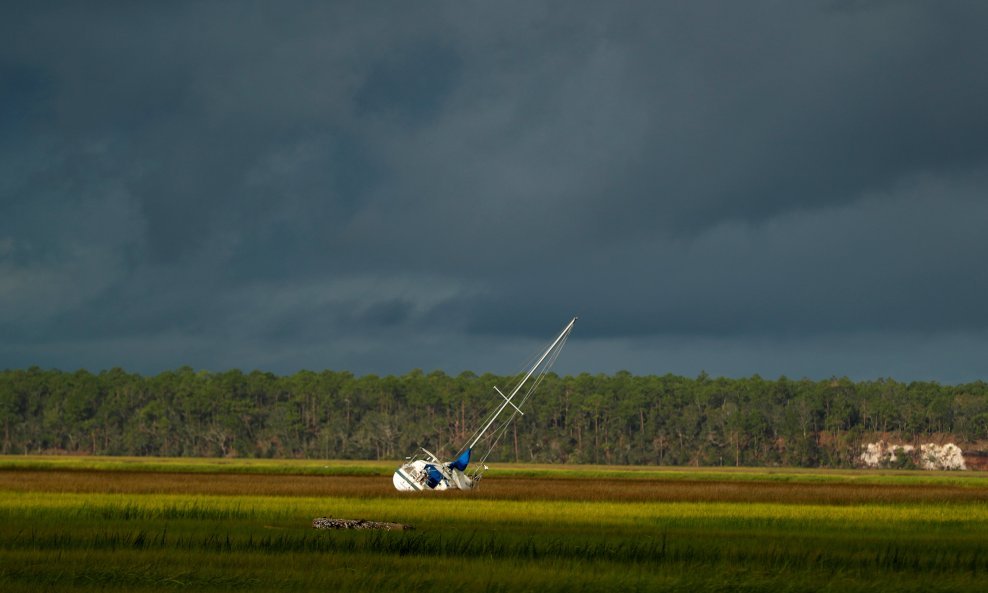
89	529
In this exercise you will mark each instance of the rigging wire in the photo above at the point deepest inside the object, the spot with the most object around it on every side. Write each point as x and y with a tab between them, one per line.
502	428
550	358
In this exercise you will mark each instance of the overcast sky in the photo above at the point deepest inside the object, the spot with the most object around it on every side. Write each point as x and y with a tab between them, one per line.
781	188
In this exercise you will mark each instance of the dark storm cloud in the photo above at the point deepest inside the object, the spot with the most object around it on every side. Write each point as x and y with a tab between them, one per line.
409	87
777	188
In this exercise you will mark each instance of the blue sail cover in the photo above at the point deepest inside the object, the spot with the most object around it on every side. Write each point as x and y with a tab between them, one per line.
461	461
434	476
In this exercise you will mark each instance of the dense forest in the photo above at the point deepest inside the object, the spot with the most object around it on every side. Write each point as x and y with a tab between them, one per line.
614	419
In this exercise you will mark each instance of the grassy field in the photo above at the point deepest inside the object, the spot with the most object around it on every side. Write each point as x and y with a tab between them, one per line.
88	524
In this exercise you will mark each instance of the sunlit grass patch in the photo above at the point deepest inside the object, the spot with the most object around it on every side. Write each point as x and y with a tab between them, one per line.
249	531
198	465
425	511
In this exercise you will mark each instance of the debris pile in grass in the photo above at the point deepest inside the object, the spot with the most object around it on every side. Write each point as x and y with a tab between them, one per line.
927	456
331	523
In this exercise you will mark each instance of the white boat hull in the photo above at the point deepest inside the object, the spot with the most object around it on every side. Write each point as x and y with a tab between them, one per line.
419	475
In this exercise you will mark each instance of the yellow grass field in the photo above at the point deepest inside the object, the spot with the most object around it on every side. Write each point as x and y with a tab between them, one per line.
85	524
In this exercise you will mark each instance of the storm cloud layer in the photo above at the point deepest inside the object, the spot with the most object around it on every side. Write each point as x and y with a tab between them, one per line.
766	187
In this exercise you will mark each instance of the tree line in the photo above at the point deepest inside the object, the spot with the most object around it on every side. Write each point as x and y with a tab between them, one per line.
612	419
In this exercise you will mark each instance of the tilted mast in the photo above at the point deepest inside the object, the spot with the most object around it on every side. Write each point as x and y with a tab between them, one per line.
507	399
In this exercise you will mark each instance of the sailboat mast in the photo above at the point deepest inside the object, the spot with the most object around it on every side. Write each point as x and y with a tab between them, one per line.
518	387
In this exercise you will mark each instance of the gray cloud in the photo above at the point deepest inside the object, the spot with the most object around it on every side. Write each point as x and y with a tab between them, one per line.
384	187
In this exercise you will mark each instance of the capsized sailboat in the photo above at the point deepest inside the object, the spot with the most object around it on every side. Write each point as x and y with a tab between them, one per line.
425	471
